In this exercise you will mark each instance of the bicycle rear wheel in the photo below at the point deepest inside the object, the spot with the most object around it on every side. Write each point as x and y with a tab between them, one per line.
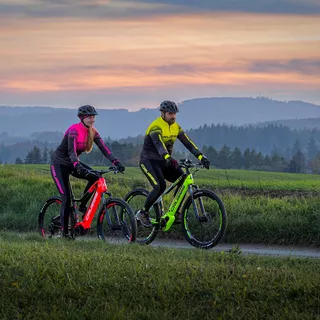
116	222
136	199
204	219
49	224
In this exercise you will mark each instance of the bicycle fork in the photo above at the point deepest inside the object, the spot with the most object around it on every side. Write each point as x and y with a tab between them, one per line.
112	216
202	216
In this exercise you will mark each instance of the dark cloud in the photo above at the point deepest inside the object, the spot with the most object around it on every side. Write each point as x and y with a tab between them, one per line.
303	66
168	69
108	9
81	9
256	6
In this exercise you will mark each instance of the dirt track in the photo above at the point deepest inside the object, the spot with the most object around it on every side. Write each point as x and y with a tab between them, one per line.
249	249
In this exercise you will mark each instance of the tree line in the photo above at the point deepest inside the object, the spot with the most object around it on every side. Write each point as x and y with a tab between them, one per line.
223	158
268	140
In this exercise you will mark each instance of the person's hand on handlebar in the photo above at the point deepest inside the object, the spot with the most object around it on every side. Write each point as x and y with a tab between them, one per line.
204	161
119	165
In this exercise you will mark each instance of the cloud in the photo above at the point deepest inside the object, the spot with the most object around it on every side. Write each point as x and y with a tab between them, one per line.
93	46
304	67
255	6
117	9
83	9
167	69
91	77
301	66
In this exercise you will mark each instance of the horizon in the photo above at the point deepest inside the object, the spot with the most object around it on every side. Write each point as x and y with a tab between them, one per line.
152	108
133	54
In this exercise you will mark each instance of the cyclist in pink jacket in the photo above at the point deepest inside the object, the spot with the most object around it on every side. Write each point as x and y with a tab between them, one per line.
65	160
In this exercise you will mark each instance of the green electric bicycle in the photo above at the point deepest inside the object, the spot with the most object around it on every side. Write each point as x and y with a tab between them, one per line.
202	213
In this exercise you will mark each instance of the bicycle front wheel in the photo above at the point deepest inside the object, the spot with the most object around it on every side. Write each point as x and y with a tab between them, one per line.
49	218
204	219
116	222
136	199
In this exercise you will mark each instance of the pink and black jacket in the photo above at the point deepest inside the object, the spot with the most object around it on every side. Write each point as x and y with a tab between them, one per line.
74	143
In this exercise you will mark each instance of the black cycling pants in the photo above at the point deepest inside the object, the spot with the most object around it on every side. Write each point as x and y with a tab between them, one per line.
157	173
60	174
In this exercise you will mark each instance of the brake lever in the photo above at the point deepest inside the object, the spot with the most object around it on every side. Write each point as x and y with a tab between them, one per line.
114	169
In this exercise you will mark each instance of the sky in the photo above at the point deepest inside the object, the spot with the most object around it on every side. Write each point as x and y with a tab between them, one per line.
135	54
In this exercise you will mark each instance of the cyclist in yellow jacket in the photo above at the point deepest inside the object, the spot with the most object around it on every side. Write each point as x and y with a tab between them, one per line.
156	161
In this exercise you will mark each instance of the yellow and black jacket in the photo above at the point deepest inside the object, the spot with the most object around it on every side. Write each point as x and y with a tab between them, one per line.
159	140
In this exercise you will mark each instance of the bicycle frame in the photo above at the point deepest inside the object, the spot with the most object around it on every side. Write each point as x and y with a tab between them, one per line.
98	188
169	216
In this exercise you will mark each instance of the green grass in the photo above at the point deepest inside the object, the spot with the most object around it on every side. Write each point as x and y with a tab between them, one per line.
256	217
215	178
259	219
90	280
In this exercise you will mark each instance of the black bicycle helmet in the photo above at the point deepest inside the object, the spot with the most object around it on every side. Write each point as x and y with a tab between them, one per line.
87	110
168	106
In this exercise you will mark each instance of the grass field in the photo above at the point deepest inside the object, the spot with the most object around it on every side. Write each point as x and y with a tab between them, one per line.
262	207
216	178
61	279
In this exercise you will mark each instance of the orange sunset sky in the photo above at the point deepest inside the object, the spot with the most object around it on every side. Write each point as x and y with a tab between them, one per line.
134	54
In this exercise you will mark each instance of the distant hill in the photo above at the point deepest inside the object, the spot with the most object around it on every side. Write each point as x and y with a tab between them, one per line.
47	136
42	137
117	124
265	139
6	139
269	139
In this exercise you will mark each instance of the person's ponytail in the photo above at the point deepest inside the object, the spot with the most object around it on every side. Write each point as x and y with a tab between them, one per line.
91	133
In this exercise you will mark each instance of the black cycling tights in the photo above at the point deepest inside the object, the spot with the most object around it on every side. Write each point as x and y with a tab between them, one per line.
60	174
157	174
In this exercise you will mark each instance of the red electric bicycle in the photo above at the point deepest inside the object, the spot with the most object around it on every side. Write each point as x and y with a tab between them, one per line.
115	222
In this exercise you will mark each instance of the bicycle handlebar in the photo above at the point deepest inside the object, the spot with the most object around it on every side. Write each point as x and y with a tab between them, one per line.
99	173
186	163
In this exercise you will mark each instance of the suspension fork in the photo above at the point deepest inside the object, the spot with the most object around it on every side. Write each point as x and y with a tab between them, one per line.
109	212
192	189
